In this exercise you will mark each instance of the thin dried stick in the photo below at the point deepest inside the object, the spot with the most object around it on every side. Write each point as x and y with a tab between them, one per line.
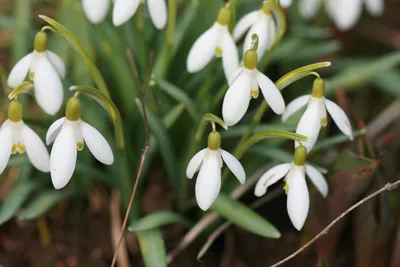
115	218
387	187
147	146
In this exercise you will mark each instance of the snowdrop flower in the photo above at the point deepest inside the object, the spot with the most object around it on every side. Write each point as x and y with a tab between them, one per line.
69	134
96	11
215	41
16	137
208	162
285	3
46	70
260	22
315	115
345	13
245	82
298	199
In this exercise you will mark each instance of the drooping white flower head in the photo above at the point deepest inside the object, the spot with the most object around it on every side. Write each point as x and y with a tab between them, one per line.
16	137
344	13
315	115
244	84
46	70
216	41
125	9
260	22
95	10
285	3
208	162
69	135
298	199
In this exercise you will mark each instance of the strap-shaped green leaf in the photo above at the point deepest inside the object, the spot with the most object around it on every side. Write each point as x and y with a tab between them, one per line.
299	73
64	32
153	248
40	205
156	220
244	217
108	105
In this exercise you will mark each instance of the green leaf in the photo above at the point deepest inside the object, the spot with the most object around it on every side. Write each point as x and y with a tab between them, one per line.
336	140
15	199
22	23
244	217
156	220
172	116
208	117
299	73
40	205
240	130
109	106
357	75
388	81
64	32
165	145
153	248
178	94
268	135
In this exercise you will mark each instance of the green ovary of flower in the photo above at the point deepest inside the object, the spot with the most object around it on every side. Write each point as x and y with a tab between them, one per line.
250	59
40	43
74	108
224	16
15	111
300	155
214	141
318	90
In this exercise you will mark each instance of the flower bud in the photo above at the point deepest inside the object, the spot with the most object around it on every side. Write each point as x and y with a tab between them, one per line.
40	43
74	108
300	155
15	111
318	90
214	141
224	16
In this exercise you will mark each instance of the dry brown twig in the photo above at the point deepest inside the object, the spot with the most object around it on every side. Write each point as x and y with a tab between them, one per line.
147	146
387	187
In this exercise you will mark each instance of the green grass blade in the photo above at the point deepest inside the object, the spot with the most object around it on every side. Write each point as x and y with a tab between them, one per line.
40	205
156	220
153	248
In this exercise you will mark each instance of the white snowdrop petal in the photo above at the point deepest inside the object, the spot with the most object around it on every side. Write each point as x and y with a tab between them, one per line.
203	50
35	149
295	106
48	87
340	118
345	13
5	146
195	163
375	7
19	71
272	176
309	8
298	199
271	93
317	179
234	165
310	124
57	62
54	130
245	23
237	99
230	57
95	10
124	10
234	75
285	3
208	182
158	13
63	157
97	144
